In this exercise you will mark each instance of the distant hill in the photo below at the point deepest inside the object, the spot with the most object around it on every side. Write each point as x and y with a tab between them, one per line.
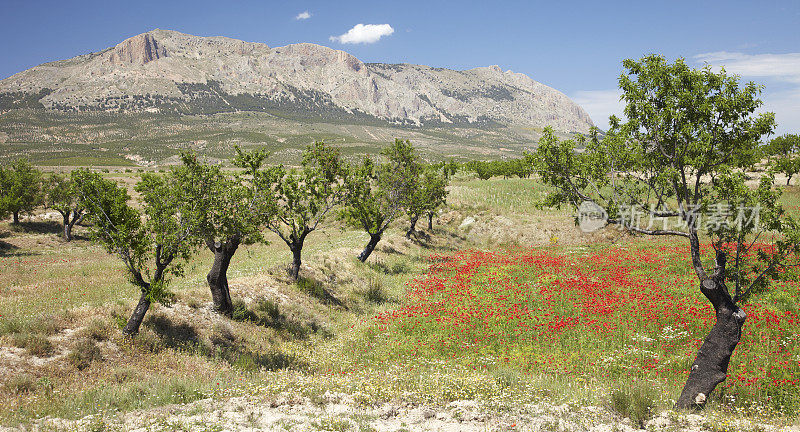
164	73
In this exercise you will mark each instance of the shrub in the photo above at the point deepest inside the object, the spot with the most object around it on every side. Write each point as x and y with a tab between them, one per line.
98	329
84	353
635	401
22	383
375	292
39	346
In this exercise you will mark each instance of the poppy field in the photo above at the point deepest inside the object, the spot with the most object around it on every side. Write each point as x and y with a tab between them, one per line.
600	316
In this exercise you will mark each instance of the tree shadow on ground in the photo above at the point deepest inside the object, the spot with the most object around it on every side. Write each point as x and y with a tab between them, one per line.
317	290
45	227
267	314
37	227
222	344
6	248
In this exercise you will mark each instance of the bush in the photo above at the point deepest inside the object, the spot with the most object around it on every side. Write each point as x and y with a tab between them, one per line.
375	292
39	346
635	401
98	329
84	353
22	383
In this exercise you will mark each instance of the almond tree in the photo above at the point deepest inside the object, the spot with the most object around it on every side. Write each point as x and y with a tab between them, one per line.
689	137
429	194
61	196
5	191
24	188
153	244
785	154
294	202
434	185
377	193
227	217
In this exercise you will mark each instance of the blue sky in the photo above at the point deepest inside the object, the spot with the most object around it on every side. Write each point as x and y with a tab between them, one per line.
576	47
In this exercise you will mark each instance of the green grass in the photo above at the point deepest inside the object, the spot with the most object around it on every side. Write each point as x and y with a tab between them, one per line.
293	339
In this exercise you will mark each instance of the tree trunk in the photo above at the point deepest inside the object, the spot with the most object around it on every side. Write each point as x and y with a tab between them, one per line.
218	275
412	228
788	179
296	261
16	218
711	365
430	221
77	217
132	327
67	227
373	241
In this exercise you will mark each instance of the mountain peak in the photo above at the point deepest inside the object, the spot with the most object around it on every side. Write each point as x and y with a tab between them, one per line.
168	71
138	50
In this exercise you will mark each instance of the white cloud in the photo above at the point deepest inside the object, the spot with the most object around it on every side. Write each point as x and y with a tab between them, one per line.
364	33
780	73
785	67
303	15
600	104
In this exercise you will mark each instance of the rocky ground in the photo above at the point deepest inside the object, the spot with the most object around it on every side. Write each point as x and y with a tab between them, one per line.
340	412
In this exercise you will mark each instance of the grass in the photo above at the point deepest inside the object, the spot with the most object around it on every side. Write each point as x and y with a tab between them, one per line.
598	317
432	321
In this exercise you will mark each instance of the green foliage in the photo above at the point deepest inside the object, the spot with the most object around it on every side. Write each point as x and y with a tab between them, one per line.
430	194
377	193
784	155
294	202
225	205
484	170
5	191
153	243
20	188
690	135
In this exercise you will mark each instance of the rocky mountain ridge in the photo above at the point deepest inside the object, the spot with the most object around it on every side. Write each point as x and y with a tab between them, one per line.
171	72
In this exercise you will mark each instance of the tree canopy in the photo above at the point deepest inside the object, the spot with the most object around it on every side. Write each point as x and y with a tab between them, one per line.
784	152
676	167
153	243
23	188
295	201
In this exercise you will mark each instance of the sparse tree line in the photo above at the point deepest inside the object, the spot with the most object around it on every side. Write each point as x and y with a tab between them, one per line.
199	205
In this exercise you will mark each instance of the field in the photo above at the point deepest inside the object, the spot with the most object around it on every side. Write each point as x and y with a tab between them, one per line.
112	139
514	321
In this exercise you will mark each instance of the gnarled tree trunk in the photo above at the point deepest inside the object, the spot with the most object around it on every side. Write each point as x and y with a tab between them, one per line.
711	365
430	221
412	228
135	321
16	218
296	261
373	241
217	277
71	218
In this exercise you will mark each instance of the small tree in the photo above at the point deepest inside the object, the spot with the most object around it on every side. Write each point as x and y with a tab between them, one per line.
294	202
690	135
24	188
434	191
5	191
154	244
785	154
377	193
61	196
227	218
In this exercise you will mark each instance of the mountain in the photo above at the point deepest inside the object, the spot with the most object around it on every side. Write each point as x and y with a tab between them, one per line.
164	71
